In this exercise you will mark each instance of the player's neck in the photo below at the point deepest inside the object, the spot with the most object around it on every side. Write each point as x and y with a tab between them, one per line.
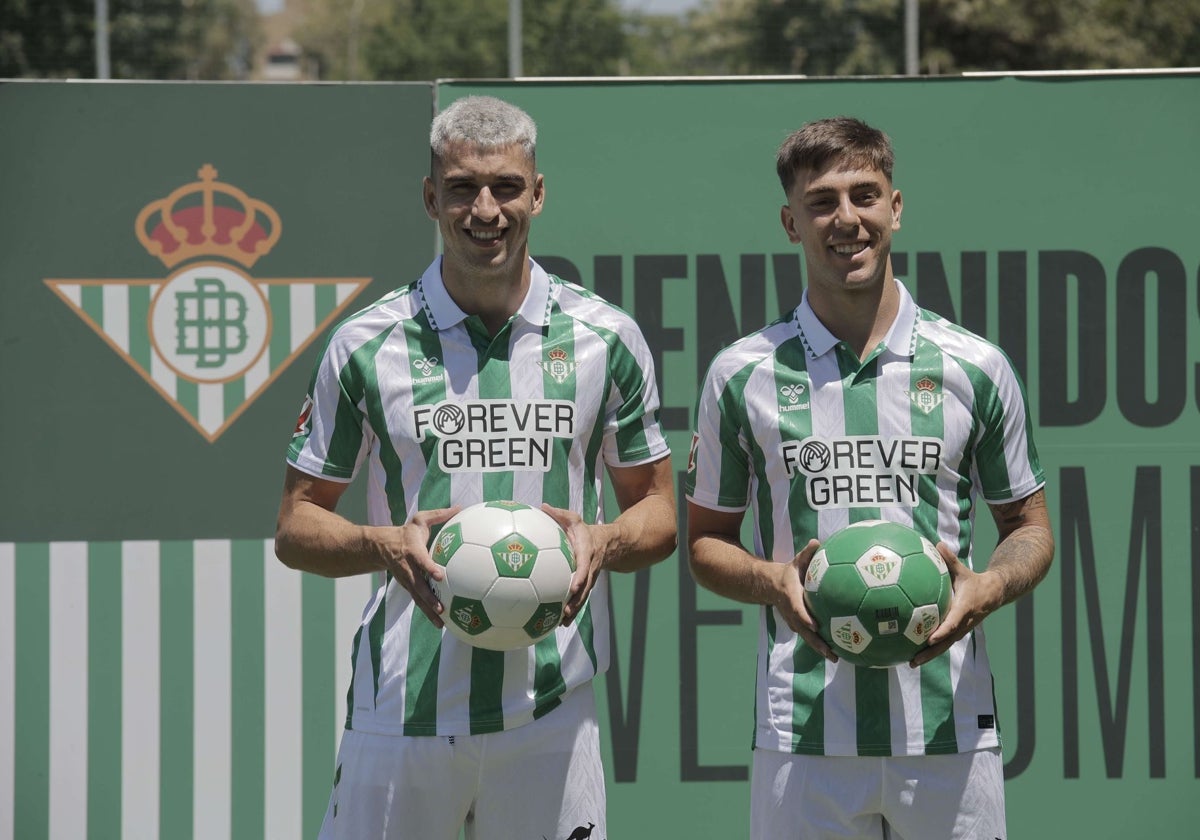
493	296
862	317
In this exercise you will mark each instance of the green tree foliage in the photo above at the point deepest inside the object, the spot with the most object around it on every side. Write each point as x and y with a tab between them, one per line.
42	39
148	39
220	38
960	35
666	45
430	39
866	37
811	37
573	37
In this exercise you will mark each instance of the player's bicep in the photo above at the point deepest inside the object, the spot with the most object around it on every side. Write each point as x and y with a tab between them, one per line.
705	522
632	484
1028	511
300	487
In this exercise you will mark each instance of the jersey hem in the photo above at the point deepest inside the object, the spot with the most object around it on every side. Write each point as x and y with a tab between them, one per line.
782	742
650	456
478	726
1014	494
317	469
711	505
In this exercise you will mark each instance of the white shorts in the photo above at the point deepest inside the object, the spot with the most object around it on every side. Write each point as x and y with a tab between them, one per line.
543	779
813	797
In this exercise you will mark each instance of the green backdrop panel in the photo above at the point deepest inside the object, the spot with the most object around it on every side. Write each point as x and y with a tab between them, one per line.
1047	213
108	432
1053	215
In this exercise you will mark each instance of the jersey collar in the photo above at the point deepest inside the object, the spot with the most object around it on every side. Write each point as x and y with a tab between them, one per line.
444	313
818	340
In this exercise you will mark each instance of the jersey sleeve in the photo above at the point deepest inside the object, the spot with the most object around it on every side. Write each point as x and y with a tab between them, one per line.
719	466
331	435
633	431
1006	458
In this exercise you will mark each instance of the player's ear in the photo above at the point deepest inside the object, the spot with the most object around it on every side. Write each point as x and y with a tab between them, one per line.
789	224
539	193
429	197
897	208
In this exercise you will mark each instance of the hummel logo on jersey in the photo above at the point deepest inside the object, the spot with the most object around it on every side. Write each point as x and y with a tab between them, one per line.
862	471
924	397
426	365
792	392
558	365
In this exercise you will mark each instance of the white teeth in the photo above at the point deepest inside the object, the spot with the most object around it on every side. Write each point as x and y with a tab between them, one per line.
485	235
849	248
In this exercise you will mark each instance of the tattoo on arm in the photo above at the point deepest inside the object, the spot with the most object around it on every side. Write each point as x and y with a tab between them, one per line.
1026	548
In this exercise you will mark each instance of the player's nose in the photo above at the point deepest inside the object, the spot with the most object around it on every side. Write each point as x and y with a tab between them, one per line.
485	207
847	213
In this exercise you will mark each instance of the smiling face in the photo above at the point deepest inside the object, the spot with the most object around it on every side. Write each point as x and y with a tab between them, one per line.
483	200
843	217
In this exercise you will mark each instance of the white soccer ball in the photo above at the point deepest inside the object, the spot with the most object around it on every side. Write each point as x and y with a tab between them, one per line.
508	570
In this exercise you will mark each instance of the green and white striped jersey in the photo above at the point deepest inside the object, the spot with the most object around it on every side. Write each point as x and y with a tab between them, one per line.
790	425
441	414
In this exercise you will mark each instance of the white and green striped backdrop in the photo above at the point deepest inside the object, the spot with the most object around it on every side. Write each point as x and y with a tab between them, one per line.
160	690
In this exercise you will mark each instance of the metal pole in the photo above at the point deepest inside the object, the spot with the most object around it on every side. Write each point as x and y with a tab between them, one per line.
514	39
103	70
912	60
356	10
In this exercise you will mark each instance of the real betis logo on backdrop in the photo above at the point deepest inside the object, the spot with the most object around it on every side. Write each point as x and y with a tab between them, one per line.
209	337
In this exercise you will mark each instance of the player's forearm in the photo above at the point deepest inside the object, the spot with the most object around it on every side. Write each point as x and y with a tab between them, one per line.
1026	547
726	568
641	536
1021	561
311	539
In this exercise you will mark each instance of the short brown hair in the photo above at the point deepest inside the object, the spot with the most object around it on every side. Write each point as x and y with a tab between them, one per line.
846	140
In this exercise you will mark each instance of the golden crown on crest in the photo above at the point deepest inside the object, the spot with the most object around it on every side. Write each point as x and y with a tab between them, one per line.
208	218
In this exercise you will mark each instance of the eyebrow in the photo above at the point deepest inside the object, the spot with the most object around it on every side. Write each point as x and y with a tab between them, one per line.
857	185
502	178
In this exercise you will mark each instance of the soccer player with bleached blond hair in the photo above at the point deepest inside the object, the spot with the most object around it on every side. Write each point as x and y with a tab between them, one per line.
485	379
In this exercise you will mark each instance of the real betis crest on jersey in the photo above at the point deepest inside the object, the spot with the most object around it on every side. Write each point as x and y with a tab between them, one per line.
558	365
926	396
209	337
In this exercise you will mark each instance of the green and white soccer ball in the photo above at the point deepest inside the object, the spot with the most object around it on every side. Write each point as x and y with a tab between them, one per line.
508	570
877	589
